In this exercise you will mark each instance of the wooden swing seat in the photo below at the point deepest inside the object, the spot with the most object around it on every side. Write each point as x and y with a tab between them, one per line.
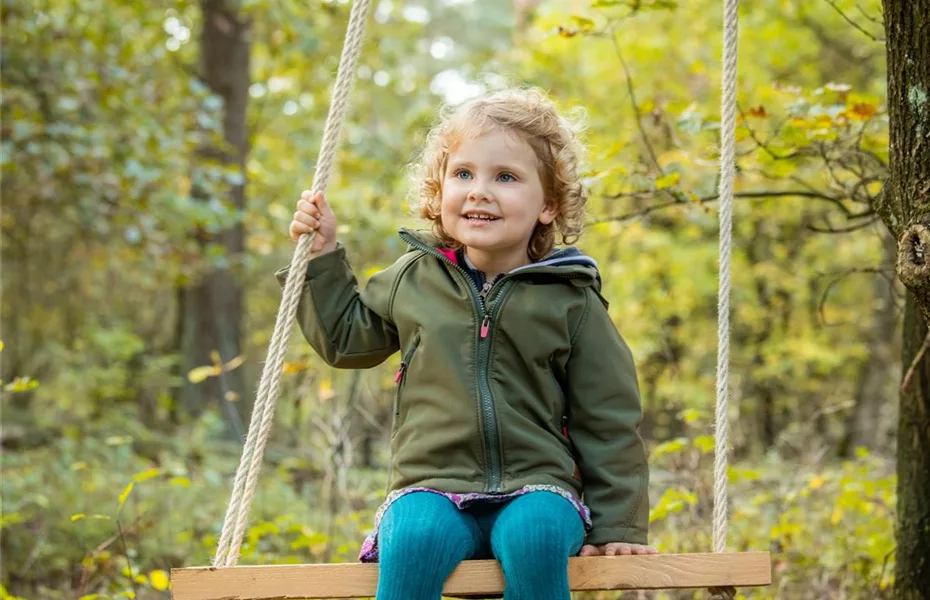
473	577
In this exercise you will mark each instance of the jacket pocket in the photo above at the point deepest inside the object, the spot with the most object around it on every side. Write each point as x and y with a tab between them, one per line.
564	418
563	399
401	377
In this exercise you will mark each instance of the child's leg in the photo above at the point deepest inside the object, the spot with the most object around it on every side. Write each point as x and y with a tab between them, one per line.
533	537
422	538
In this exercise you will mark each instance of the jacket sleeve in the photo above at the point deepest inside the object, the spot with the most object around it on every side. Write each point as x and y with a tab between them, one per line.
347	328
604	418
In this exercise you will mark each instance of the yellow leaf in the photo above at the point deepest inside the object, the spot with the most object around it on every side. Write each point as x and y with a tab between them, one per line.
862	111
367	273
141	579
147	474
80	516
78	466
5	595
837	515
215	357
292	368
690	415
159	580
326	390
1	345
667	181
89	597
181	481
11	518
816	482
672	156
583	23
234	363
198	374
698	68
704	443
125	494
21	384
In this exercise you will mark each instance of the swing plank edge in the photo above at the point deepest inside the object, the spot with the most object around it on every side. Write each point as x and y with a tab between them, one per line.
354	580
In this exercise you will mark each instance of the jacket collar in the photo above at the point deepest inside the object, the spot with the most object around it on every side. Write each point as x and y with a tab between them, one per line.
568	262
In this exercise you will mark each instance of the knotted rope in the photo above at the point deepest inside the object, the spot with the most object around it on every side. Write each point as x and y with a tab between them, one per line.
250	464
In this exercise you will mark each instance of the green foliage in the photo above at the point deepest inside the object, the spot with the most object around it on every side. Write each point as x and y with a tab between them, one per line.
91	510
107	482
829	527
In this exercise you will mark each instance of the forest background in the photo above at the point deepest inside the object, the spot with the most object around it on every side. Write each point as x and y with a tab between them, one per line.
152	154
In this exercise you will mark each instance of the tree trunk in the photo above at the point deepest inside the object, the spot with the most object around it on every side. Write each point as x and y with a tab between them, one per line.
212	307
905	205
905	209
912	573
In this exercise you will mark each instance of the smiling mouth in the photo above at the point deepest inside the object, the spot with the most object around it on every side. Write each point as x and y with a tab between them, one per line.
480	217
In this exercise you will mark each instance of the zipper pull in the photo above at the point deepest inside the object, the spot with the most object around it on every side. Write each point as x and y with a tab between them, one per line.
400	372
485	325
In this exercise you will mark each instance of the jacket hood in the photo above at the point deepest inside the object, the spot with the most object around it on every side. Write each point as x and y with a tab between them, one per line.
569	262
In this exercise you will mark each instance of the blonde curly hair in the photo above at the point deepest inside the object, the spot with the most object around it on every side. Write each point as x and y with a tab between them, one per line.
554	138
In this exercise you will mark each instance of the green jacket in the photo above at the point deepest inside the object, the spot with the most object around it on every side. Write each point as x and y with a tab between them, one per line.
486	385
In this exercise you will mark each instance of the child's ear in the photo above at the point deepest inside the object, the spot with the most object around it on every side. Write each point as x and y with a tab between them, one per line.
548	215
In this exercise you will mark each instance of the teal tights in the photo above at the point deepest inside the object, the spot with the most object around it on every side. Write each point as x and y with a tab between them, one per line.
423	537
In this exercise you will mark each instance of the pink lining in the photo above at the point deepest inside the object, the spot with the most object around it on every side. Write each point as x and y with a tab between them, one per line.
449	253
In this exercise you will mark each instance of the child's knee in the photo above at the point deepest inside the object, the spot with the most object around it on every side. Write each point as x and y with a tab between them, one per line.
538	524
422	524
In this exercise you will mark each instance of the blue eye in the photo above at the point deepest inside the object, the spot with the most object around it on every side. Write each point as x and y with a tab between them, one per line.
461	174
509	178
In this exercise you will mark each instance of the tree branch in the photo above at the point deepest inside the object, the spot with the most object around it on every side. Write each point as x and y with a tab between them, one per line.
760	143
913	368
875	20
632	92
837	279
715	197
853	23
830	229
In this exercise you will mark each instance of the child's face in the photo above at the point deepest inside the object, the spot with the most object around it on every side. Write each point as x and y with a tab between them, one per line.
494	176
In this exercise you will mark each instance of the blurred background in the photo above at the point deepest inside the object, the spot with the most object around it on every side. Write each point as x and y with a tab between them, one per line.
152	155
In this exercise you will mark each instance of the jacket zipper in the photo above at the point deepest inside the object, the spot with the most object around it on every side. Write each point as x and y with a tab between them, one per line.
487	405
491	440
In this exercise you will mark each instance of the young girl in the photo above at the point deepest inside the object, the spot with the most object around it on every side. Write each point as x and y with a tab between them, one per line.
516	405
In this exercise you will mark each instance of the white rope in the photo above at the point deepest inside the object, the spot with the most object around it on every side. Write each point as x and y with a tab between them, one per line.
727	175
250	464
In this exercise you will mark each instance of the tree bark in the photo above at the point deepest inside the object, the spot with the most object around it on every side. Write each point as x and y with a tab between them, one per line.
906	201
905	209
212	307
912	566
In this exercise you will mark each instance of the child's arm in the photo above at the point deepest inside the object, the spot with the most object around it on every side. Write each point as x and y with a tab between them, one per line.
347	328
605	413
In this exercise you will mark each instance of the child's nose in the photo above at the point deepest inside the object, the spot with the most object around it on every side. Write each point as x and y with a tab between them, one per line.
479	190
